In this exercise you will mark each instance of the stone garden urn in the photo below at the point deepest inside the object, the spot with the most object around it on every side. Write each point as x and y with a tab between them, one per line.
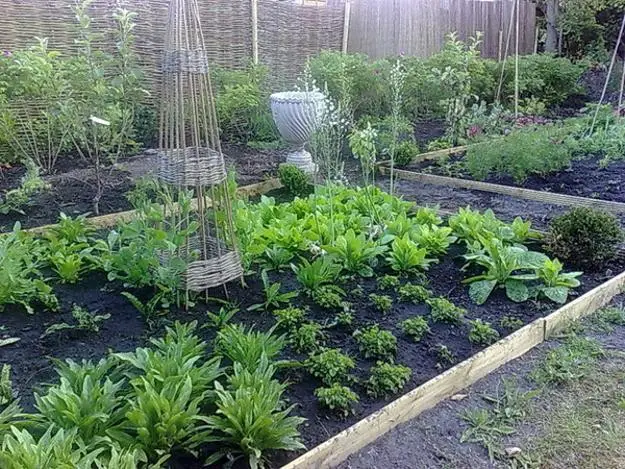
296	114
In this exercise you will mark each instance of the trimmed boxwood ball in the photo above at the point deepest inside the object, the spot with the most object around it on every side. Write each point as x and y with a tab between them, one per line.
296	181
405	153
585	237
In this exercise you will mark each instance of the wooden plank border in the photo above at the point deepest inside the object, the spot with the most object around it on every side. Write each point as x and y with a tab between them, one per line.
109	220
338	448
528	194
433	155
583	306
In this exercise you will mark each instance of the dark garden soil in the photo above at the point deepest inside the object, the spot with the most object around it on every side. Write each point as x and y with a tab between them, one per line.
428	130
125	330
584	178
72	187
506	207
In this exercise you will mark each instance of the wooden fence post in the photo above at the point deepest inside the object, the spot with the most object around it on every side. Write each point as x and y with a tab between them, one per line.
255	31
348	10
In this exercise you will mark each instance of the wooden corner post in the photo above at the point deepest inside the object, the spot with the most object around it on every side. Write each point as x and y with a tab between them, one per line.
255	31
348	11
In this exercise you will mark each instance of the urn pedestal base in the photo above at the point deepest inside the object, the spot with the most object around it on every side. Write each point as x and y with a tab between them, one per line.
303	160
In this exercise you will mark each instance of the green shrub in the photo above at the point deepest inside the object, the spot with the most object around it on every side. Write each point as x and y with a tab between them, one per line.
242	104
415	327
544	77
289	318
328	298
444	355
352	78
405	153
338	398
585	237
522	153
388	282
307	338
294	180
344	319
330	366
414	293
387	379
374	342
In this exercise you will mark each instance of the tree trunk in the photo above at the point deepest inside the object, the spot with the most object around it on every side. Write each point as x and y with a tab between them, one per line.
551	45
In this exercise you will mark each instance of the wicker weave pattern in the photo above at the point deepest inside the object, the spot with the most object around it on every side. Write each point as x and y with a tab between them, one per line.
204	274
193	166
288	33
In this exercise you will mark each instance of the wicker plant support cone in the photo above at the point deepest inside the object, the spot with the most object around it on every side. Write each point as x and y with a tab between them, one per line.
190	155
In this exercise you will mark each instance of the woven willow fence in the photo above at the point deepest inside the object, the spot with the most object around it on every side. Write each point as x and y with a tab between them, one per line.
286	32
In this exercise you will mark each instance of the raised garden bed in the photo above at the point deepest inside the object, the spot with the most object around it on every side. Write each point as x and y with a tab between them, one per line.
126	330
585	177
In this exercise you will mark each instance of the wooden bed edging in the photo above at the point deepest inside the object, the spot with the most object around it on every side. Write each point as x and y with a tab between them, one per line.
430	155
110	219
529	194
338	448
585	305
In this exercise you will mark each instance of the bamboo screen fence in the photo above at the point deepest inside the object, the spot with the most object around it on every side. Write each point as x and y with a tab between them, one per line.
382	28
287	31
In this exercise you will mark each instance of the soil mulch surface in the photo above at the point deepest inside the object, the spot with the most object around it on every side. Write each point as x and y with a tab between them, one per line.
72	186
126	330
584	178
506	207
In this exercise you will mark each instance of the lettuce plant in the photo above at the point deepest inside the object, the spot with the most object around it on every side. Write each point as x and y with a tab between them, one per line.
406	257
355	253
247	346
21	280
509	267
312	275
434	239
556	284
251	416
90	399
57	448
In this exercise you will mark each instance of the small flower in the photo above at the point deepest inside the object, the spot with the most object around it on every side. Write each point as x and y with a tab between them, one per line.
97	120
316	251
7	53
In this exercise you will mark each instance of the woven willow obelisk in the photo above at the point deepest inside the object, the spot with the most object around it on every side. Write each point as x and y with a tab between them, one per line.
190	154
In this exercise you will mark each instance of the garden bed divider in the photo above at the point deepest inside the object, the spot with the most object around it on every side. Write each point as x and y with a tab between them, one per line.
338	448
110	219
529	194
436	154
